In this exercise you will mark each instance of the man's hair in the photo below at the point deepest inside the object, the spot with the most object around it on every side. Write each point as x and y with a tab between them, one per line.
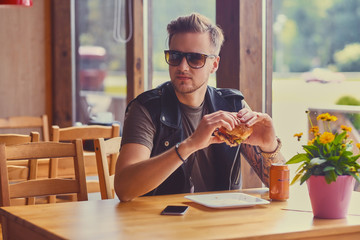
197	23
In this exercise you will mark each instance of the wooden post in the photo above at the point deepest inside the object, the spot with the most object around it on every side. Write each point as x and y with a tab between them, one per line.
241	58
62	71
135	52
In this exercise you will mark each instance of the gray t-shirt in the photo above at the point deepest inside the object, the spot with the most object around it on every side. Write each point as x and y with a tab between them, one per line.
139	128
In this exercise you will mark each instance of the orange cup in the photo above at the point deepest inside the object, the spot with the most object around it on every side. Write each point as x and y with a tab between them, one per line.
279	182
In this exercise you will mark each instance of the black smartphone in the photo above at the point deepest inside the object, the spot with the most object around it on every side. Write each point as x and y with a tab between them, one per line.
174	210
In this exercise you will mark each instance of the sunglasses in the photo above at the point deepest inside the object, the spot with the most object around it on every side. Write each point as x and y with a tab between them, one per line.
194	60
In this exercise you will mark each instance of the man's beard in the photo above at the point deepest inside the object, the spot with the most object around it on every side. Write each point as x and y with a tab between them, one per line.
180	87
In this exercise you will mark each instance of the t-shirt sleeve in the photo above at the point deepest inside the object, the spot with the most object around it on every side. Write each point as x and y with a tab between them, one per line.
138	126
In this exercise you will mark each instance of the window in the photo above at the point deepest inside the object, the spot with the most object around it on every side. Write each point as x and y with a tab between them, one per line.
163	11
101	61
316	65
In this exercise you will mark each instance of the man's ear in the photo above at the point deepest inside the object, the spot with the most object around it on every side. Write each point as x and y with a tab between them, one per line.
215	65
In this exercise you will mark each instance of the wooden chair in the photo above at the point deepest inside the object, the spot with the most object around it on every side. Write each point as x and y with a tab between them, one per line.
17	172
42	187
27	122
89	132
103	150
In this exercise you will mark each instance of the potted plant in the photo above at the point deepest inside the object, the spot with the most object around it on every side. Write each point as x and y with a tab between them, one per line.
329	168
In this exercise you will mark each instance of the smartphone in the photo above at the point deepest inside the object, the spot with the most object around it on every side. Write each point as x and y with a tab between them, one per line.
174	210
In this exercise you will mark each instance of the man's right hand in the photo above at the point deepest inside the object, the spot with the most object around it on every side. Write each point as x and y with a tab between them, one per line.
203	135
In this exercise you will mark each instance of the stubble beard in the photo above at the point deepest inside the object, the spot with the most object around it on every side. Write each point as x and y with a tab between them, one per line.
180	86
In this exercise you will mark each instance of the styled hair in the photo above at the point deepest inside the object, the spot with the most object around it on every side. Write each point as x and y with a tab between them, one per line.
197	23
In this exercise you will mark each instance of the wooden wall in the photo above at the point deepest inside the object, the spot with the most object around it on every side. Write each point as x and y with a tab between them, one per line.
25	60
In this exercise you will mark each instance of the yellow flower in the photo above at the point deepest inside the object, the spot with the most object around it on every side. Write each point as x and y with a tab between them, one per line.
326	137
314	129
311	142
323	117
346	128
333	118
326	117
358	145
298	135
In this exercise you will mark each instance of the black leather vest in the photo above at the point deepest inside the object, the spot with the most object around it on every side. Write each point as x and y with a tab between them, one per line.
164	109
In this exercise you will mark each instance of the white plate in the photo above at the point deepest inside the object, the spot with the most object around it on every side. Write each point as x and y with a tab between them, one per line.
226	200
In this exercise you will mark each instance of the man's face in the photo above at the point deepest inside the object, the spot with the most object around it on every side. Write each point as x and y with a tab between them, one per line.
184	78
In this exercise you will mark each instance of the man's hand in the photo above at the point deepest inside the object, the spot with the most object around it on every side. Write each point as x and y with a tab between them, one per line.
263	129
203	135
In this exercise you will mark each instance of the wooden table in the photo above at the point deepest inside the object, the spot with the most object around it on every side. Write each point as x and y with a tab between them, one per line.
141	219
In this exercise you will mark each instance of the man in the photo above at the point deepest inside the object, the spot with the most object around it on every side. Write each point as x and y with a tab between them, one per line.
168	145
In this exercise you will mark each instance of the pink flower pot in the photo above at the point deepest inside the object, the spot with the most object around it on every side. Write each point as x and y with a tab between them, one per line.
330	200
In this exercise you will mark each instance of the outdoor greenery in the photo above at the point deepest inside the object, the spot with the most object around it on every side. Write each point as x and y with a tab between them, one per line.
350	100
348	59
96	21
309	34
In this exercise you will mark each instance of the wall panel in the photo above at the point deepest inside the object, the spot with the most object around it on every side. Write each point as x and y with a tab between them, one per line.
25	60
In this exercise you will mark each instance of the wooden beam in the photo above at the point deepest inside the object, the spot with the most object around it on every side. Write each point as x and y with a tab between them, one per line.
241	55
135	52
268	59
228	18
241	58
62	71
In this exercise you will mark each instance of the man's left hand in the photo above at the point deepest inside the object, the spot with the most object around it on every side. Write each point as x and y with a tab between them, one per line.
263	129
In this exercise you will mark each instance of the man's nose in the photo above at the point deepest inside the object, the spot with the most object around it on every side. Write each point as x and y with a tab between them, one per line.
184	64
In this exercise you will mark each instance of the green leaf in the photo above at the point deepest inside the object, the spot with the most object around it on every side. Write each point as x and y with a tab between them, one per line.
356	176
305	177
355	157
334	158
328	168
311	150
301	168
297	177
316	161
339	171
330	176
301	157
339	138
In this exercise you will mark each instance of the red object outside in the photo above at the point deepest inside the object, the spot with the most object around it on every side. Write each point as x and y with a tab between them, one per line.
27	3
92	71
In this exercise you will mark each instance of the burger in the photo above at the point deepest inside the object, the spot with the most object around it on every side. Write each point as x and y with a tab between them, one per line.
234	137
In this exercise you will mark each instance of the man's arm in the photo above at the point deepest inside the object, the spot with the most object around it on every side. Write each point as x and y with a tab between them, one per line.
136	173
261	162
266	146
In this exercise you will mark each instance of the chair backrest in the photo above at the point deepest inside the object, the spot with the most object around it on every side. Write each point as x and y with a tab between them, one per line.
47	186
27	122
17	172
103	150
88	132
13	139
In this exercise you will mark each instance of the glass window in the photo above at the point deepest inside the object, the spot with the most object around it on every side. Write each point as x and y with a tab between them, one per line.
101	69
163	11
101	61
316	65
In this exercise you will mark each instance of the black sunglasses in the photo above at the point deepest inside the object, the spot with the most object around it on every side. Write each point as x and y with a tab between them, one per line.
194	60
